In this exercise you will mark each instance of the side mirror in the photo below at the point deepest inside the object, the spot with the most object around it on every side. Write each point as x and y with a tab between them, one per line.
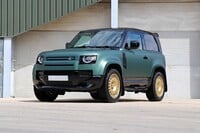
134	44
67	44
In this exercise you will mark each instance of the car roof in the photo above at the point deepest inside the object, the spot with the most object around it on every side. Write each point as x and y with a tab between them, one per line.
125	29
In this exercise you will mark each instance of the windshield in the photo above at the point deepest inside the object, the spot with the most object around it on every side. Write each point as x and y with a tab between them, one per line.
105	38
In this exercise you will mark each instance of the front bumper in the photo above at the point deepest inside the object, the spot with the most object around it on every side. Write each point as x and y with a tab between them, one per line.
82	81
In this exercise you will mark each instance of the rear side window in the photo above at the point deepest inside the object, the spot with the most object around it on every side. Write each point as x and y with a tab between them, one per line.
150	43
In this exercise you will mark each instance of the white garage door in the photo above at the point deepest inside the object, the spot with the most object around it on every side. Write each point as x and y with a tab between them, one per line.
182	52
178	68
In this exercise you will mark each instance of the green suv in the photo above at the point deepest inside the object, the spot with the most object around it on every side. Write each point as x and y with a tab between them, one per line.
105	63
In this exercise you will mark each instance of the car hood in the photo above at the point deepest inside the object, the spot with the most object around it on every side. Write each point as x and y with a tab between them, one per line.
76	52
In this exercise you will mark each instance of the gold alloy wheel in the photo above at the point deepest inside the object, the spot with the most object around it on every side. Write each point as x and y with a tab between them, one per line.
159	86
114	85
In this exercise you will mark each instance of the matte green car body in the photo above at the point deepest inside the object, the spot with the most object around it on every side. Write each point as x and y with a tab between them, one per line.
104	60
136	66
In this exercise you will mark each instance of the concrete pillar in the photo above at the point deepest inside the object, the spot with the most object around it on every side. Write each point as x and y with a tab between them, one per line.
114	13
7	72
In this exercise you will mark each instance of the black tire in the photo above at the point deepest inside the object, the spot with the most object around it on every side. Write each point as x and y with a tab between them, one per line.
45	96
157	89
95	95
112	88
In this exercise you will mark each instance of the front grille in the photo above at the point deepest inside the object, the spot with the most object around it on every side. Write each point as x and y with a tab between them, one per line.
60	61
61	58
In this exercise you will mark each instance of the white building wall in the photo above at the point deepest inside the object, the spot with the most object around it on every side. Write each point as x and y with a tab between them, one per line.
160	16
177	24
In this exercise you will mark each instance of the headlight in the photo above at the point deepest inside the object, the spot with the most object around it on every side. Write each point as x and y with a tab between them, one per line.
40	59
88	59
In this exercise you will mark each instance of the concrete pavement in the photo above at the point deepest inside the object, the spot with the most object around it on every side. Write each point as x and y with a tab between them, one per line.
88	116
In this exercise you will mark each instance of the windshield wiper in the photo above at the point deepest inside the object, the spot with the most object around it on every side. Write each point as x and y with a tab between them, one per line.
83	47
106	46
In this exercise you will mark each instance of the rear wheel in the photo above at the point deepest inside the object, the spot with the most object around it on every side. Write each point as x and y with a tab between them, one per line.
157	90
45	95
112	88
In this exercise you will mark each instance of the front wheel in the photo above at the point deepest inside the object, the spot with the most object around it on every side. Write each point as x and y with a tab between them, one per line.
157	89
95	95
112	88
45	95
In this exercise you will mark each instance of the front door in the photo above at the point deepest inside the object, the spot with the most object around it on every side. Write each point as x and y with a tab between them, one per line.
137	62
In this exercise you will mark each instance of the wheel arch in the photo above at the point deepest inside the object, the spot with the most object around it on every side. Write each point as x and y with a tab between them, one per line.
119	69
114	66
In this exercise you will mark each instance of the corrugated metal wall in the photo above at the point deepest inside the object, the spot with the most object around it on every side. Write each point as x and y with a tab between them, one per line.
18	16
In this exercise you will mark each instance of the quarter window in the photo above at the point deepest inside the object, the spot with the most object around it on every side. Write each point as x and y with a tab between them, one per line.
150	43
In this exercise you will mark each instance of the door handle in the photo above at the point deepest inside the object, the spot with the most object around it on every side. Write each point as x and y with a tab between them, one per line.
145	57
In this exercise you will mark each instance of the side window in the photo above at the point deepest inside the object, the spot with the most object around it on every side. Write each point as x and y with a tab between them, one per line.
132	36
150	43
